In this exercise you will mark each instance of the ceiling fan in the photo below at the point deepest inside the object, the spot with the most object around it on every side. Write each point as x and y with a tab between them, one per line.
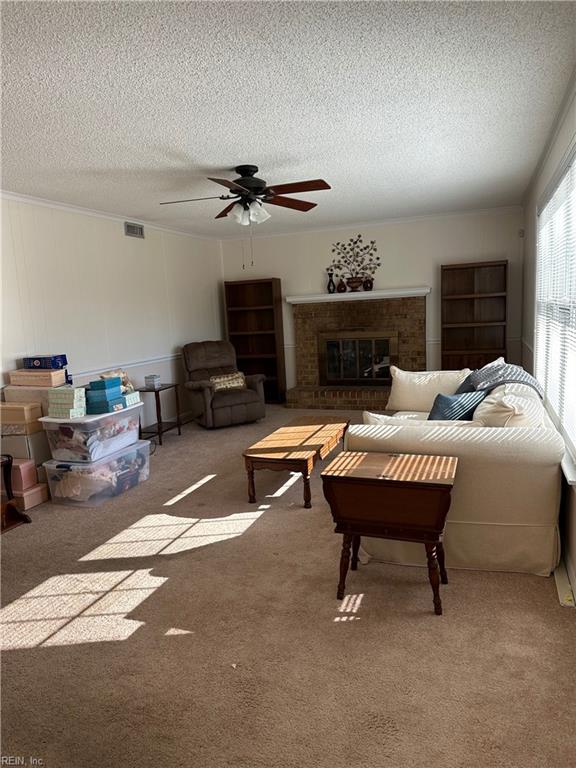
250	192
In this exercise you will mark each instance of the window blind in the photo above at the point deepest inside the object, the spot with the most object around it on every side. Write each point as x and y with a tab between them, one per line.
555	330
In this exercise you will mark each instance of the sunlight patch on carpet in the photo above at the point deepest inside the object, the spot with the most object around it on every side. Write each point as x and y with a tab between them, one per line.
189	490
288	484
168	535
349	606
77	608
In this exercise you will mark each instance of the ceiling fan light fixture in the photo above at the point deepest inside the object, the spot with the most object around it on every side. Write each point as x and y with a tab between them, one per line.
241	214
258	214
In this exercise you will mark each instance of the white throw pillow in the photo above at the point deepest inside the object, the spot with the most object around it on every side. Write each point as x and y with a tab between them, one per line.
379	419
417	390
510	406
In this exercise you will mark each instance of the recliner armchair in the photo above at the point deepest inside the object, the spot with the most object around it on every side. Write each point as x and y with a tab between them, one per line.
221	408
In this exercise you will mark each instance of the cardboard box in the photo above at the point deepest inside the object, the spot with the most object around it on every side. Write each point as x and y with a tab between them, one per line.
24	475
37	378
21	394
19	413
20	429
33	447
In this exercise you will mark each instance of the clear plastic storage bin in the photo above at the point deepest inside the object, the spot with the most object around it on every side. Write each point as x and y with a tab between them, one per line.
92	437
91	484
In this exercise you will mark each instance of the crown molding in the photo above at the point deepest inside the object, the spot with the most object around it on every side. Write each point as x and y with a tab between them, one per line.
19	198
498	210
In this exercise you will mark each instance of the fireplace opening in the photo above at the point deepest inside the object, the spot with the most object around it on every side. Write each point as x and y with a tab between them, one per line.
356	358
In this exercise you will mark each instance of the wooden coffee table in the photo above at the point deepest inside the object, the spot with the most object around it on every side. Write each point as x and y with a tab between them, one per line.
398	496
295	448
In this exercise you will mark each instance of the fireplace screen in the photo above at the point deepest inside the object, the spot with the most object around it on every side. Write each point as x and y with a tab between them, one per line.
355	358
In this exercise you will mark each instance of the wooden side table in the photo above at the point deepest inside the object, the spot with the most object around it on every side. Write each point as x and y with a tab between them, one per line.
391	496
158	429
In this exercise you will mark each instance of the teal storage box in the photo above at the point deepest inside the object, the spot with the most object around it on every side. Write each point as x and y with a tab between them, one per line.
101	395
113	383
106	406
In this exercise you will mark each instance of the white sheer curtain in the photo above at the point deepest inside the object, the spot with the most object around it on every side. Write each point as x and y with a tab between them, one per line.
555	331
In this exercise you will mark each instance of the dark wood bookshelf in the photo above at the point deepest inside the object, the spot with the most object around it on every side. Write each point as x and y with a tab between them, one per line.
474	313
254	326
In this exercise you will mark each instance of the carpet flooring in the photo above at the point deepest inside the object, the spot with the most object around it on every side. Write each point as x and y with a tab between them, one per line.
206	643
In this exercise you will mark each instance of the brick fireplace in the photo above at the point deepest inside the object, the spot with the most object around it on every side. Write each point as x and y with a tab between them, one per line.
392	322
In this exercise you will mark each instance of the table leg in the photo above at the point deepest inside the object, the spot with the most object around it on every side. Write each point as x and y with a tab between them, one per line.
251	486
344	562
178	419
441	563
159	415
434	576
355	548
307	492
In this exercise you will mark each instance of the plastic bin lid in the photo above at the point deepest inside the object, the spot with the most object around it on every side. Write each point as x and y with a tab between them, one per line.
83	419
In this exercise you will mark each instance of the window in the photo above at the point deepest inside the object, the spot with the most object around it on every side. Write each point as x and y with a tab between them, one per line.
555	331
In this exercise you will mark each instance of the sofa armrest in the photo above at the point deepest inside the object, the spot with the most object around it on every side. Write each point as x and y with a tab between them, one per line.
506	472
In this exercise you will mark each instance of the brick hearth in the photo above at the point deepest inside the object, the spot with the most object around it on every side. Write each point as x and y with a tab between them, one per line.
406	316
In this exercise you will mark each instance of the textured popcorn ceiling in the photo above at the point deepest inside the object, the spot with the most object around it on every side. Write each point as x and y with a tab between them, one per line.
404	108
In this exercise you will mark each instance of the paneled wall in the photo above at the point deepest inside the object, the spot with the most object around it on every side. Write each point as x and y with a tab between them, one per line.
74	283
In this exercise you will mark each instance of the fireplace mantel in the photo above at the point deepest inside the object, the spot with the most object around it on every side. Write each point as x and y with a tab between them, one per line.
386	293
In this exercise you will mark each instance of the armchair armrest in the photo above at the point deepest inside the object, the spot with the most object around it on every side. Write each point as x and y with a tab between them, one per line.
255	381
205	390
198	386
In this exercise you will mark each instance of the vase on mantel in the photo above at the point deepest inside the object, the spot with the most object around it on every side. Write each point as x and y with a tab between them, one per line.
354	283
341	287
331	287
368	283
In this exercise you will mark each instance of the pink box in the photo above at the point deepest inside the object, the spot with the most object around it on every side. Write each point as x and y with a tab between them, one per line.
31	497
24	475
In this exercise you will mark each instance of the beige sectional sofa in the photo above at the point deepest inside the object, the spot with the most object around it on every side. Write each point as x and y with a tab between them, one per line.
506	498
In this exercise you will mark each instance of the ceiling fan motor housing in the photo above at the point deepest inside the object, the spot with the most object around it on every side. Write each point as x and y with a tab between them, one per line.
248	180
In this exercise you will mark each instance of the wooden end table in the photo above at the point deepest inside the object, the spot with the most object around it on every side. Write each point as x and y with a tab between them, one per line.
295	448
158	429
398	496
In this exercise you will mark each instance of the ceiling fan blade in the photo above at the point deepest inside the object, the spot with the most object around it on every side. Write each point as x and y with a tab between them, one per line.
194	199
230	184
289	202
226	211
298	186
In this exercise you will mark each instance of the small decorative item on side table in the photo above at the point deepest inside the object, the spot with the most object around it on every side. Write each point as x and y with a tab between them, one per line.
391	496
158	429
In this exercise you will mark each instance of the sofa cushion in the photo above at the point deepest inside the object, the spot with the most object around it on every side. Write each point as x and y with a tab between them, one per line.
416	390
378	419
511	405
456	407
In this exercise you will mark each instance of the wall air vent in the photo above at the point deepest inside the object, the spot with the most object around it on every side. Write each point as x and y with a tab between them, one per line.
133	230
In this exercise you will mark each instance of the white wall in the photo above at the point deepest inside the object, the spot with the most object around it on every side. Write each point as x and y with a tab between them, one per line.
74	283
411	251
562	143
